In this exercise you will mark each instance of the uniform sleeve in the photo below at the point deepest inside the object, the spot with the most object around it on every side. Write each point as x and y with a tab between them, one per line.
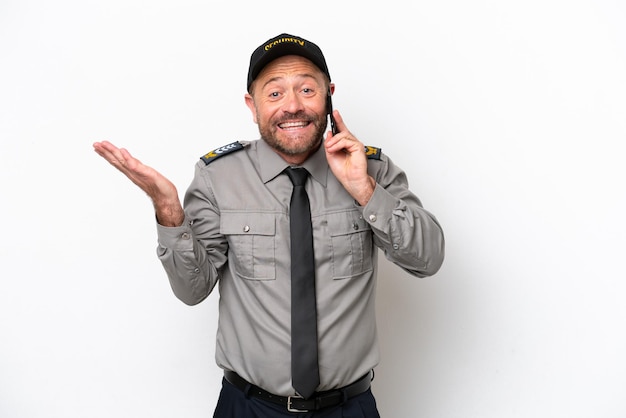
194	254
409	235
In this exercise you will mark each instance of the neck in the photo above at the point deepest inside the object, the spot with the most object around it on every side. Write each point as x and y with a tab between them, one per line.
297	159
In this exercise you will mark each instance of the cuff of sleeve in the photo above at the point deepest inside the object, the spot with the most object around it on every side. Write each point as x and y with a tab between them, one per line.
175	237
378	210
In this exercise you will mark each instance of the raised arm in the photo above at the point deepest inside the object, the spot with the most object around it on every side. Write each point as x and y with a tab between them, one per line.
409	235
169	211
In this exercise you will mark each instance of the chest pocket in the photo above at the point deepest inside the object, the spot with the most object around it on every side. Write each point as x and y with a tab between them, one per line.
351	242
252	241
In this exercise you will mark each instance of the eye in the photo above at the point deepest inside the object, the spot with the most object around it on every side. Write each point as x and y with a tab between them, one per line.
274	95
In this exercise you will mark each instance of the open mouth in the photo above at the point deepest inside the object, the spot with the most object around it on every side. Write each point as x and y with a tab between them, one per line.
293	125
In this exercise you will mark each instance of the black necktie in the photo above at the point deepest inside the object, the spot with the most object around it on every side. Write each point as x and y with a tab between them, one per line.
304	368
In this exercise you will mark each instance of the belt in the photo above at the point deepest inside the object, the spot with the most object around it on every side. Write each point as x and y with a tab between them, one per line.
296	403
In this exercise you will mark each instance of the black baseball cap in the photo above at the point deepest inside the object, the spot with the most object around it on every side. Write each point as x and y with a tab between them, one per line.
282	45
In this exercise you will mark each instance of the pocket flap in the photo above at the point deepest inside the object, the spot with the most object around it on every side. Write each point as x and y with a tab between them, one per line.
344	223
247	223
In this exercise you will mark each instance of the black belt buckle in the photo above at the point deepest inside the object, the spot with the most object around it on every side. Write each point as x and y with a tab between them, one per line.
290	406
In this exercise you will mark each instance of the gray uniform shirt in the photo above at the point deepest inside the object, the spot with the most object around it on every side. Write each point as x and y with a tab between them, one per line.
237	232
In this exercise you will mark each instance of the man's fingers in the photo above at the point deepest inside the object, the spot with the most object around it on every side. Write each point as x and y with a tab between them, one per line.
107	151
120	158
341	126
344	141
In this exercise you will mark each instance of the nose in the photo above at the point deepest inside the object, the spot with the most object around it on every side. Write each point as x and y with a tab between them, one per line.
293	103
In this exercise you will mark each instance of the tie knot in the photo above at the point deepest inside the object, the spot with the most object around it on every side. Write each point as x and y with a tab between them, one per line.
297	175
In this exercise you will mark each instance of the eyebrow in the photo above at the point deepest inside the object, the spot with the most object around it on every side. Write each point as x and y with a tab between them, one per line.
275	79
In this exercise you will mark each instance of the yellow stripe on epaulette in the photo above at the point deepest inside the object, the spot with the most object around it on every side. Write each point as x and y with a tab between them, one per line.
221	151
372	153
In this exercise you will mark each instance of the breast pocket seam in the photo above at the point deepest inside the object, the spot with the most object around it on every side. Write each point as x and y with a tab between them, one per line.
252	241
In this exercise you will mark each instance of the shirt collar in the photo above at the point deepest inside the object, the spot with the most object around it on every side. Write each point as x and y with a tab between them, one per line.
272	164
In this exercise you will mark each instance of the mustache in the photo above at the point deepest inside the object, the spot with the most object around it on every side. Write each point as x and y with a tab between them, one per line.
300	115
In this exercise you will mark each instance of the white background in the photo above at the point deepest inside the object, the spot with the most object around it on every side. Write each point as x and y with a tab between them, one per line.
509	118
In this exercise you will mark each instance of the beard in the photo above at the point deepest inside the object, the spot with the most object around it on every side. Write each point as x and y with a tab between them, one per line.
293	145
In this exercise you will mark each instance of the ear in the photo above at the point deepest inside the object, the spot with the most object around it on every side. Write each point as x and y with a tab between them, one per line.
331	87
250	103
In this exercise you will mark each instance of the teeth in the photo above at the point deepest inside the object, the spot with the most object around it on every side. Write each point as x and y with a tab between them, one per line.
292	125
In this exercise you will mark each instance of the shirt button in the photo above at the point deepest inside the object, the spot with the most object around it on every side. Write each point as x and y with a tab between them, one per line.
185	235
396	246
355	226
246	228
372	218
196	270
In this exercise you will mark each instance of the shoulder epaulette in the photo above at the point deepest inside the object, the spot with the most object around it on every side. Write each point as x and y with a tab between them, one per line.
372	153
221	151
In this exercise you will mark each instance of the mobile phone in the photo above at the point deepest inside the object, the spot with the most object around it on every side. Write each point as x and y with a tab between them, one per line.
329	108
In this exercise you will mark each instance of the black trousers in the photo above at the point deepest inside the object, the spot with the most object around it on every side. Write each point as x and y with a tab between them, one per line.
233	403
